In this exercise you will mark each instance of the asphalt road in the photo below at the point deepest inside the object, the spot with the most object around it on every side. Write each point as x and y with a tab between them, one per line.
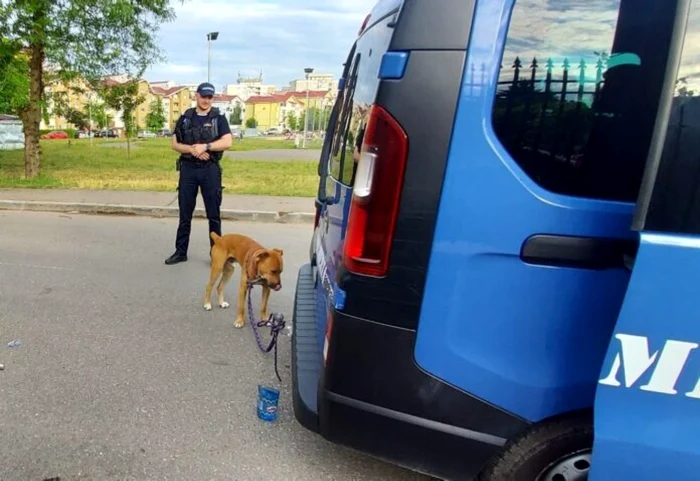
122	374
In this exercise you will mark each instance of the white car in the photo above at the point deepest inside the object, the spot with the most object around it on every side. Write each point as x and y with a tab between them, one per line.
146	135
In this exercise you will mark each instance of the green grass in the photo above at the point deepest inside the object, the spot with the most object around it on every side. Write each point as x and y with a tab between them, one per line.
151	167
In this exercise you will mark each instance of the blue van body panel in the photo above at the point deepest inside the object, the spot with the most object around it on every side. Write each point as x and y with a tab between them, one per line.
393	65
527	338
632	421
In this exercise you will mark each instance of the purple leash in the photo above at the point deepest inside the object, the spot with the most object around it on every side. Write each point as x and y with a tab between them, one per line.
275	322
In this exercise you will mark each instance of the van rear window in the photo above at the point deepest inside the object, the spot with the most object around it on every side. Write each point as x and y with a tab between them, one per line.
356	99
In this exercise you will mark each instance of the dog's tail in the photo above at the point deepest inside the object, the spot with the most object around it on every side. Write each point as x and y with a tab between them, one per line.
215	237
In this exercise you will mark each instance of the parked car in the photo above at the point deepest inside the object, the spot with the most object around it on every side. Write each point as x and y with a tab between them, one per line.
274	131
164	133
144	134
109	133
58	134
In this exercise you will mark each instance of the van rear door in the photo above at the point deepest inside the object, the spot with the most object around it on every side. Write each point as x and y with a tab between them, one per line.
526	274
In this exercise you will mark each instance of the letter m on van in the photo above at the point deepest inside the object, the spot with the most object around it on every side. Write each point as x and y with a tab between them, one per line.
633	360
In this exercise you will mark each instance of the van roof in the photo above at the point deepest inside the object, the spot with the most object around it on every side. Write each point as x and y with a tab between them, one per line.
383	8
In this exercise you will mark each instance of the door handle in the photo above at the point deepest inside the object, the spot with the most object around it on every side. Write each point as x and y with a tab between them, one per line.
577	251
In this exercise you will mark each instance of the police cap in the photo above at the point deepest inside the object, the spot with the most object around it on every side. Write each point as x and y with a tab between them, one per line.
205	89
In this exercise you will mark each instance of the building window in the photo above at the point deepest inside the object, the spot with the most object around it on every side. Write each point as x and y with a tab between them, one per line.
572	106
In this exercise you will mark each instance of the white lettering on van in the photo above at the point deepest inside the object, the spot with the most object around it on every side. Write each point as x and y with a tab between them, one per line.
634	359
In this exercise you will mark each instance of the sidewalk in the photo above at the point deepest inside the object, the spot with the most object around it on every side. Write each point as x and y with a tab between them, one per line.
156	204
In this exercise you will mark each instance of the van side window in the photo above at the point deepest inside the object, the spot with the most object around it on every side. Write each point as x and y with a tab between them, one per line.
572	103
341	145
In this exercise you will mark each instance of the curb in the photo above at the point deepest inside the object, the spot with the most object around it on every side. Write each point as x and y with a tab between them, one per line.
155	211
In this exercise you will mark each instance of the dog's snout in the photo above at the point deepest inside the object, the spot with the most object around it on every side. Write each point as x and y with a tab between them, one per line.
277	287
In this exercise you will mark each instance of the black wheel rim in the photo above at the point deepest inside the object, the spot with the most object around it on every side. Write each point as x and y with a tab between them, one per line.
572	467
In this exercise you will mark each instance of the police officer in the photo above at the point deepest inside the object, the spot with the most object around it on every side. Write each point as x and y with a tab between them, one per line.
201	136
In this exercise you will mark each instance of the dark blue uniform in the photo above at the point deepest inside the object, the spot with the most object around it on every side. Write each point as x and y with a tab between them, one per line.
194	128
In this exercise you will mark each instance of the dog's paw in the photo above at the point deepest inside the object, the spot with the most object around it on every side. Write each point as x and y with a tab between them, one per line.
238	323
264	316
224	305
207	307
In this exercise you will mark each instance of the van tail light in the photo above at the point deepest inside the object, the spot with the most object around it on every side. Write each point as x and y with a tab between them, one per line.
327	338
376	194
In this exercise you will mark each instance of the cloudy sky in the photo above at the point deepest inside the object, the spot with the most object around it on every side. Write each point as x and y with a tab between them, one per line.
279	37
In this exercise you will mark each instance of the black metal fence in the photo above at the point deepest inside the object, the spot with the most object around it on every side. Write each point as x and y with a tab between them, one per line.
548	109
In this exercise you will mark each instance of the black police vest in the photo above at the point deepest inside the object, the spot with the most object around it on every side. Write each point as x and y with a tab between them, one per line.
193	134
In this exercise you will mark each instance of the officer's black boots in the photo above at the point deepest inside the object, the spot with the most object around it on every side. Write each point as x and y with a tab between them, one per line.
175	259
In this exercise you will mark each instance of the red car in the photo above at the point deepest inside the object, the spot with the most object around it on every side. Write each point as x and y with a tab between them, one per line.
59	134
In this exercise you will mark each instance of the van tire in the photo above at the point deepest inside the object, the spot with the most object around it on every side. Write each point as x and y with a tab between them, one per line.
528	457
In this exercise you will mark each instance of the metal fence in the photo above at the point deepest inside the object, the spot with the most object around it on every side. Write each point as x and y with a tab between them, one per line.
548	108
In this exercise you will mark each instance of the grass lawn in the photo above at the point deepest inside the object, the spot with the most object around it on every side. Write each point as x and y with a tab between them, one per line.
151	166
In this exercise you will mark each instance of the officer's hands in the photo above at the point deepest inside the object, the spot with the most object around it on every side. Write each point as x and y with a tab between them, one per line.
198	150
204	156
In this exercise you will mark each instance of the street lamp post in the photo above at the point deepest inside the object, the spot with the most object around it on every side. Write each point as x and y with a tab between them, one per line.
90	117
307	71
211	36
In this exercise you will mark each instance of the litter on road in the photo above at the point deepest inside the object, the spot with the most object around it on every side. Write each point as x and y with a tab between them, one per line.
268	401
15	343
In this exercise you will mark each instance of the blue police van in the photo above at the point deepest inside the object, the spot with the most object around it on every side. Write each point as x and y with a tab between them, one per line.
502	276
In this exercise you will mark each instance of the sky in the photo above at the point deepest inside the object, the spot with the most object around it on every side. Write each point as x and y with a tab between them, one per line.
279	37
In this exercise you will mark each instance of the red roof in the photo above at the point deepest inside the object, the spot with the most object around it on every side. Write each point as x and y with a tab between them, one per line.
224	98
284	96
265	99
166	92
312	94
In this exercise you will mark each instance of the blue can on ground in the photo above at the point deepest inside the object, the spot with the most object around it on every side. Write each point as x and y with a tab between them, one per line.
268	400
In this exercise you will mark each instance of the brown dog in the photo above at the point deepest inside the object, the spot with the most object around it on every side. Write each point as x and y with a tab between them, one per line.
257	263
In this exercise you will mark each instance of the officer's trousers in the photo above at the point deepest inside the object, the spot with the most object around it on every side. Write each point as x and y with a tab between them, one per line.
195	175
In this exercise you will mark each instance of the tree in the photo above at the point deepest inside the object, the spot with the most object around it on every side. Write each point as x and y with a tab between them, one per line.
314	119
14	79
72	38
155	119
125	97
77	118
291	121
251	123
682	89
98	113
237	116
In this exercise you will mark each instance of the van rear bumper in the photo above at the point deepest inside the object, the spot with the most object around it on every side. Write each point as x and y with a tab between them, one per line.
374	398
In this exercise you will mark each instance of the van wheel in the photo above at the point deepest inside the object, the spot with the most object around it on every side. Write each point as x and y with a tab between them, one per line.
558	450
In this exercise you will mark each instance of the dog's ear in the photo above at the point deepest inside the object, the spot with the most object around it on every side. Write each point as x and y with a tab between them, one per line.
261	255
279	251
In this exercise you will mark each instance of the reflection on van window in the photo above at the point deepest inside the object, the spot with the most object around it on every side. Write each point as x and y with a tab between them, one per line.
570	106
339	156
359	94
675	201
